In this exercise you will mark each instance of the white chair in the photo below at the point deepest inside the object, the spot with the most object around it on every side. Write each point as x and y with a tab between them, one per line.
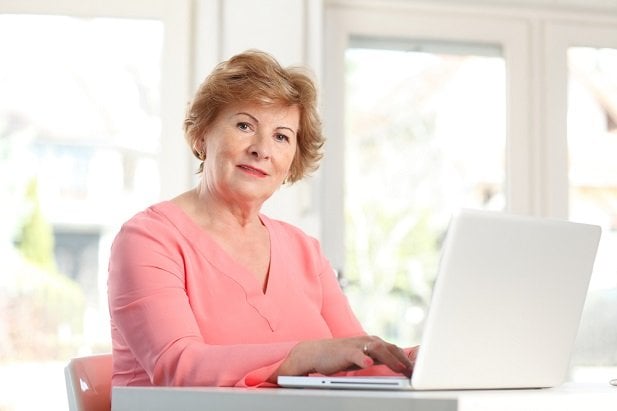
88	383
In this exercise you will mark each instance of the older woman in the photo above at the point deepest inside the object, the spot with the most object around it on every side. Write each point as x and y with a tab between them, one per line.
206	290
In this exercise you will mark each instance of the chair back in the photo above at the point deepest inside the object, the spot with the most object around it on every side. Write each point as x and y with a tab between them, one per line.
88	383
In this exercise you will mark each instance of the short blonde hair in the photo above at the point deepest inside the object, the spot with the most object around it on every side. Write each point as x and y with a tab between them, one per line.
256	77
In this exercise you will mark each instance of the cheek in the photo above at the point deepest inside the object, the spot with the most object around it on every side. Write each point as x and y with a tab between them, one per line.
222	149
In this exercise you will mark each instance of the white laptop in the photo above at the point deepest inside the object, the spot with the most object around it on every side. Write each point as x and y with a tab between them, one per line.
505	308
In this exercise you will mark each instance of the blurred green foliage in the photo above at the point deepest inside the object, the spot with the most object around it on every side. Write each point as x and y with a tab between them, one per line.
37	240
42	309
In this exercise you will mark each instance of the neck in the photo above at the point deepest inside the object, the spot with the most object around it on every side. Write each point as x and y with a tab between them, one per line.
220	213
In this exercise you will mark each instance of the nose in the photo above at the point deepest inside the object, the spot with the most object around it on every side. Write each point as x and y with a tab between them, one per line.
260	147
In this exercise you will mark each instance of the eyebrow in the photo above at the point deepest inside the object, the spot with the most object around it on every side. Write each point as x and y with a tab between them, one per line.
257	121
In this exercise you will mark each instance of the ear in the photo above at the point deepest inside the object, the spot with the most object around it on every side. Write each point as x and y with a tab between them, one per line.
199	149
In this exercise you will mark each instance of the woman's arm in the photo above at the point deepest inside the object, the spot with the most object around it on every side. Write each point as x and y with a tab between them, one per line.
151	313
350	349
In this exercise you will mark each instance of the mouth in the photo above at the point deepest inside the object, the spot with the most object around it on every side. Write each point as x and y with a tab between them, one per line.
252	170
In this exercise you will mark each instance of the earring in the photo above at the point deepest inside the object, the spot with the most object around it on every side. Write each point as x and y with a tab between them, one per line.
200	154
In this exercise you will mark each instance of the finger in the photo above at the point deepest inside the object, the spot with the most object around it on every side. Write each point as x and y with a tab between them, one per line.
413	355
401	355
400	362
391	356
362	358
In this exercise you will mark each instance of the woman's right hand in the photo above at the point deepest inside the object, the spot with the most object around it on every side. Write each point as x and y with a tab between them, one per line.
330	356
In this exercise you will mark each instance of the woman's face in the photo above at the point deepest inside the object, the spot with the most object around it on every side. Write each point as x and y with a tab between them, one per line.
249	149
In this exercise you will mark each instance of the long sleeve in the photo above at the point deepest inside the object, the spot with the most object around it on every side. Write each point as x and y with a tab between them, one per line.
153	324
336	309
184	313
337	312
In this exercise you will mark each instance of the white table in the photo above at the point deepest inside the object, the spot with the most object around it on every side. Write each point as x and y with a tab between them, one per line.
568	397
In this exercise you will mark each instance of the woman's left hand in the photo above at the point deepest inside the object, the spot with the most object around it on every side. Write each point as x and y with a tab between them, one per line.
330	356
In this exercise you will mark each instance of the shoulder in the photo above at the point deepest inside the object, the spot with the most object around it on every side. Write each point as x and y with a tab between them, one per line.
149	238
296	245
157	223
289	232
147	250
164	214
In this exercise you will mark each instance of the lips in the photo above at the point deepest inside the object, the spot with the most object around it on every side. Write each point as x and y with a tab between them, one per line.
252	170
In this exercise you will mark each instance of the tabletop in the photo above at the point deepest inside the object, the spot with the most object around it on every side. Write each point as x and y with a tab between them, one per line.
570	396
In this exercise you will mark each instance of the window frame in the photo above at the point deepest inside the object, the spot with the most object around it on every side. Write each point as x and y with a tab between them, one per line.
559	37
510	33
174	160
535	42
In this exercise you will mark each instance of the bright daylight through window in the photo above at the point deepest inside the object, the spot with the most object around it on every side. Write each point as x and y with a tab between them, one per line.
425	134
592	150
79	143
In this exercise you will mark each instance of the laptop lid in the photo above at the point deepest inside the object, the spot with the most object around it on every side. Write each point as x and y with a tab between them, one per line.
505	308
507	302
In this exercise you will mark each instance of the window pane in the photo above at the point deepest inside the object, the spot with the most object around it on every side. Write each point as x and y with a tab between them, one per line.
425	135
592	151
79	140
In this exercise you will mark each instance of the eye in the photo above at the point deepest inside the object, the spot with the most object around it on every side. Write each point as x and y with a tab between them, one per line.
244	126
281	137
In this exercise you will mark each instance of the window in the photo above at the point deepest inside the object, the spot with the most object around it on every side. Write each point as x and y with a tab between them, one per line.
425	132
81	130
433	119
542	130
581	93
592	146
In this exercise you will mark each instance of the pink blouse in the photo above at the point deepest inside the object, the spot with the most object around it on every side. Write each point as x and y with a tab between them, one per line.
183	312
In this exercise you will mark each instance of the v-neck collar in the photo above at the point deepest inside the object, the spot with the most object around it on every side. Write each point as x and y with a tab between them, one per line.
215	254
